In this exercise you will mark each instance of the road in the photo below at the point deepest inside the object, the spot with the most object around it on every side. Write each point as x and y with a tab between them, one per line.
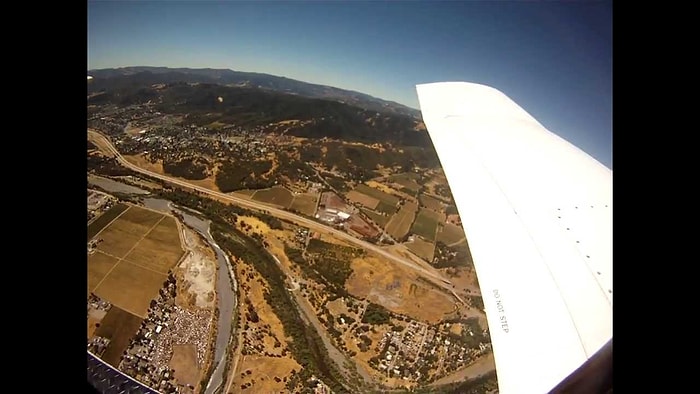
433	276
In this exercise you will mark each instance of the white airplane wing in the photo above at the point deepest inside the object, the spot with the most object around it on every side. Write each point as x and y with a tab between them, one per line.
537	212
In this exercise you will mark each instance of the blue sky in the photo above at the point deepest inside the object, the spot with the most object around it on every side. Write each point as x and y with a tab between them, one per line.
553	58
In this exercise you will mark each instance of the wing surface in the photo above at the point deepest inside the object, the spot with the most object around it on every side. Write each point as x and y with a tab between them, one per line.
537	213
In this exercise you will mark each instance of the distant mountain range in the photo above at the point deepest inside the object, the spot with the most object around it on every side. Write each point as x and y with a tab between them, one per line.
140	74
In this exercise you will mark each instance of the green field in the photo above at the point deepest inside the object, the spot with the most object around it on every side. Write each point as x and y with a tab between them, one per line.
378	194
436	216
381	220
98	224
387	208
426	224
277	195
450	234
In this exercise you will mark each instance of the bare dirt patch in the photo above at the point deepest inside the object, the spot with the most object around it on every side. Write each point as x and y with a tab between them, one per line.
198	271
184	362
397	290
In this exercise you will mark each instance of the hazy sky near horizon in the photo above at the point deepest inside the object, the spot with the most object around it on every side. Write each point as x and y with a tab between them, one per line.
553	58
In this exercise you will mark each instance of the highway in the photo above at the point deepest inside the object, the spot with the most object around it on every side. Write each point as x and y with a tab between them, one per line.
434	277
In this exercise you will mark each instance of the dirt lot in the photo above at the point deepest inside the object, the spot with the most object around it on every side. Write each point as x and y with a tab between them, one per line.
277	195
119	326
422	248
397	290
360	198
198	273
305	203
263	371
400	223
184	362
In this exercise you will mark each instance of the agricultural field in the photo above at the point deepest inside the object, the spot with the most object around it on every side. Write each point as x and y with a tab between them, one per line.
381	220
132	260
400	223
431	203
131	287
160	249
363	199
387	202
103	220
426	224
277	195
398	290
99	264
422	248
407	180
451	234
305	203
119	326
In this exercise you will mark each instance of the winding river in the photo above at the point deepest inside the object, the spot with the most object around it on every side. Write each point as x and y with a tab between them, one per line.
227	301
